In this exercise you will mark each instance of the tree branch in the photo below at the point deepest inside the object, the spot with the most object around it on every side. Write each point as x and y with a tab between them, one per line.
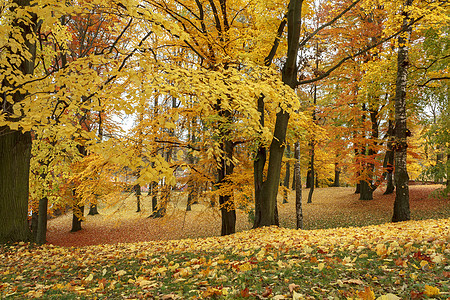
330	70
310	36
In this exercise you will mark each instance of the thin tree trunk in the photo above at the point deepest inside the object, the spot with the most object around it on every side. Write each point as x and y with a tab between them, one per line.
41	234
298	188
388	162
137	191
226	168
287	176
189	201
401	204
78	208
312	173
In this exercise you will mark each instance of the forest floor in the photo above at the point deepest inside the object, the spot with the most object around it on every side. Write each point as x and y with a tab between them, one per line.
330	208
390	261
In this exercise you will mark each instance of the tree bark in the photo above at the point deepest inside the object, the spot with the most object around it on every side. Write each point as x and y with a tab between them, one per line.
287	176
226	168
269	193
41	234
15	146
298	188
93	209
137	191
15	155
388	163
401	204
77	217
311	174
337	172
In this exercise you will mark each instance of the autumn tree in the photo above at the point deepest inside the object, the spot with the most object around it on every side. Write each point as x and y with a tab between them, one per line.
17	55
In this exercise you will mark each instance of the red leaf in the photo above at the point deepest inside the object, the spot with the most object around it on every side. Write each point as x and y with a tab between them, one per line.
267	292
245	293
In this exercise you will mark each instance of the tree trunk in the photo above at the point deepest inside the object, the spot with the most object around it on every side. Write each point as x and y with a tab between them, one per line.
269	193
41	234
137	191
189	201
93	210
77	217
312	173
298	188
15	154
15	146
226	201
287	176
294	179
388	163
337	172
309	178
401	204
366	190
261	155
258	168
152	193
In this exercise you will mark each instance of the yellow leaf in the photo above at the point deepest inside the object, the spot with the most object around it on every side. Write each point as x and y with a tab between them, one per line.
321	266
431	290
121	272
245	267
388	297
90	277
368	294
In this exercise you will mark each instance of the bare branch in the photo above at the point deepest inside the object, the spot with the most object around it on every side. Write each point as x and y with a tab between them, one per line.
433	79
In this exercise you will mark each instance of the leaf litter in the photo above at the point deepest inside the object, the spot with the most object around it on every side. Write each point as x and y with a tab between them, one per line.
407	260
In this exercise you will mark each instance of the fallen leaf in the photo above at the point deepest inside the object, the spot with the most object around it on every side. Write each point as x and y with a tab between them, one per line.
388	297
431	290
367	294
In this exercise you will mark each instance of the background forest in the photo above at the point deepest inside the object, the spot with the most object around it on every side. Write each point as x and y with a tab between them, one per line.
229	102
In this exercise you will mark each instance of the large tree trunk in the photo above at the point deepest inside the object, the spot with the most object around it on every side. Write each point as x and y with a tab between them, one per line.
298	188
15	146
15	154
401	204
366	190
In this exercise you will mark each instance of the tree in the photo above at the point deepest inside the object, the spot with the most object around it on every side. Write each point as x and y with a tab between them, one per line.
401	204
17	58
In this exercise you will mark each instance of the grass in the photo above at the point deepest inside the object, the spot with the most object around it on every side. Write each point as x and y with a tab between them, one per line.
408	259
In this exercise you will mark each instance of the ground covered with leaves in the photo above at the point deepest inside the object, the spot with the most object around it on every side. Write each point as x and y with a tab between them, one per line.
407	260
331	207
